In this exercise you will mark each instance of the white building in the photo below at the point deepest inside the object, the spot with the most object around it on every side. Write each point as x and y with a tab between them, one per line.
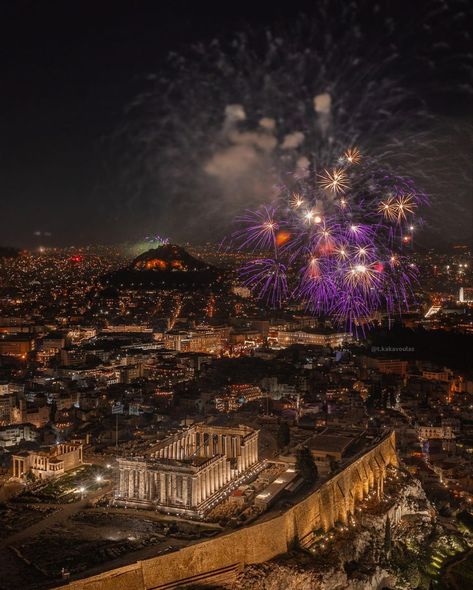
189	472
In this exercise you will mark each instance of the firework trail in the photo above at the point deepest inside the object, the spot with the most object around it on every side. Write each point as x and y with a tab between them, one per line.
336	242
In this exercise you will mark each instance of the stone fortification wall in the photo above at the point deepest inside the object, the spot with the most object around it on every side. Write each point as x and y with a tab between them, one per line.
210	561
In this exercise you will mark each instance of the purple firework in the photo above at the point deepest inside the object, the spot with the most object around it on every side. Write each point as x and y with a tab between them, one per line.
335	242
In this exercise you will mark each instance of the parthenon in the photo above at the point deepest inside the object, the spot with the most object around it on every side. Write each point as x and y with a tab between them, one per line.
189	471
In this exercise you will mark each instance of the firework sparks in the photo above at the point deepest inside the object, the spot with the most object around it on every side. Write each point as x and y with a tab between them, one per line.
346	266
353	155
297	201
405	205
270	114
388	209
335	181
261	233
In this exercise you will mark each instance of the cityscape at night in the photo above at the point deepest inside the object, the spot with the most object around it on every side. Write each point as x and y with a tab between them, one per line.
236	295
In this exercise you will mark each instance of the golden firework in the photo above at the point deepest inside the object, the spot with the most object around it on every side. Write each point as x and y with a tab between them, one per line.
405	205
296	201
336	181
353	155
388	208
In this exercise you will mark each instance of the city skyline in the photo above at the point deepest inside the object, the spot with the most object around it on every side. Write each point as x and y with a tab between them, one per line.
236	295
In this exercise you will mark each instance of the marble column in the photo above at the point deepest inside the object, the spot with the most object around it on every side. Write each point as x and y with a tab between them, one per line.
124	482
216	477
169	488
185	490
212	479
149	485
206	484
162	487
226	477
198	489
203	487
192	482
139	480
131	487
222	472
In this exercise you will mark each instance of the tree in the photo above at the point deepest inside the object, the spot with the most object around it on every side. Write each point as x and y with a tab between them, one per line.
387	538
412	575
284	435
305	465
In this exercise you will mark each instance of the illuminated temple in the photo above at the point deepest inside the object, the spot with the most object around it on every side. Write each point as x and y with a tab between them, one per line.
189	472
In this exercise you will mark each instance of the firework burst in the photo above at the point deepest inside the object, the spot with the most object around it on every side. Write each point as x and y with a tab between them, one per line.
287	97
335	181
353	155
347	262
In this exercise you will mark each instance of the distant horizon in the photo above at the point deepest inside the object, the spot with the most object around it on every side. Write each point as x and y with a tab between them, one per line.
447	246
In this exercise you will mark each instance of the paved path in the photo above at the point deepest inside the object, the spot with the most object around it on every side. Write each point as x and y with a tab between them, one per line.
62	513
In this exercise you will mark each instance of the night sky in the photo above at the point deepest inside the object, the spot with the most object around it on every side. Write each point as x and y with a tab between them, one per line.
69	71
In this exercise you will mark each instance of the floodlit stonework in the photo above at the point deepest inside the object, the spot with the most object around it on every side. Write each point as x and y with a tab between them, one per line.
50	462
213	562
189	471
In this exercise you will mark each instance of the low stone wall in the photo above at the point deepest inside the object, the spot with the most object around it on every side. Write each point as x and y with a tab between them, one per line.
208	561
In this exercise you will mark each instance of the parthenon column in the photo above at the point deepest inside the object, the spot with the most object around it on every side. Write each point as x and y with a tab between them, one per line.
130	483
212	479
208	478
250	453
203	486
185	489
162	488
123	480
223	473
194	500
217	476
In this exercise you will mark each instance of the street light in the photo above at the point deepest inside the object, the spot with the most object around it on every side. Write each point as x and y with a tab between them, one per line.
99	478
